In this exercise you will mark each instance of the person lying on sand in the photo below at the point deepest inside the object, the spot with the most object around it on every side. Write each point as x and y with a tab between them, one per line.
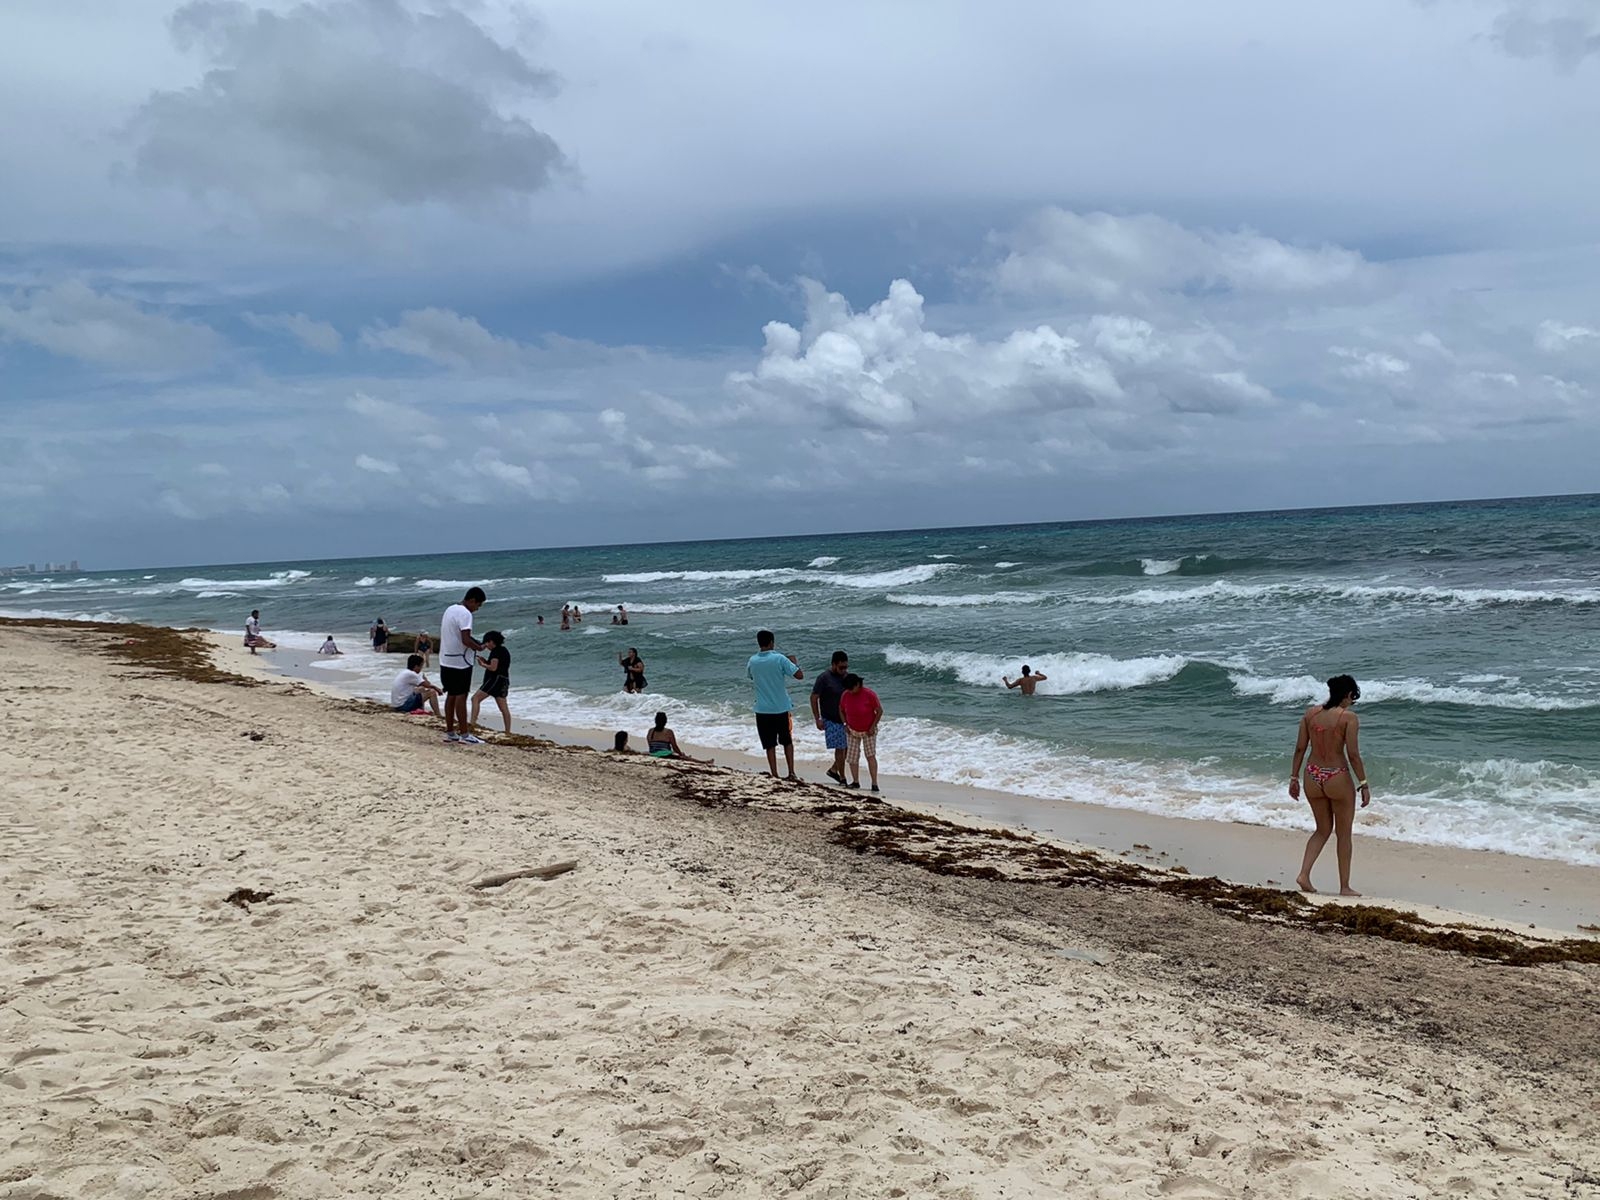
1333	775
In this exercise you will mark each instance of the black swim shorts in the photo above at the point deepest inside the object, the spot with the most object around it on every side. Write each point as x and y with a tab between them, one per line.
774	729
457	681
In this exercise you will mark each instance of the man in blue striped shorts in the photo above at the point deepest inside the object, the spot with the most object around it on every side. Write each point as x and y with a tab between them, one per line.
825	693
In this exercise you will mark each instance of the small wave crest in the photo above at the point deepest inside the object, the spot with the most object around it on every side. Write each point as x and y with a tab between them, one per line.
1304	689
866	580
1067	674
975	600
823	560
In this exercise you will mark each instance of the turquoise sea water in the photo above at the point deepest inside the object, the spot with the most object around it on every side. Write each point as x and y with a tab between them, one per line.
1179	651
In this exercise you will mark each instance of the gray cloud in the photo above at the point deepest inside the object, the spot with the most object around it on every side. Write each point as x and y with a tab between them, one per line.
73	320
1107	258
314	335
330	111
447	338
1564	31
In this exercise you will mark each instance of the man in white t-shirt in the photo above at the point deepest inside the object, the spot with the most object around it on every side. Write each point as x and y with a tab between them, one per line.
456	645
252	633
412	691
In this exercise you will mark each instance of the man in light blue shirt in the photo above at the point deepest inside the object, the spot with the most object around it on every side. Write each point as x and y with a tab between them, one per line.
771	672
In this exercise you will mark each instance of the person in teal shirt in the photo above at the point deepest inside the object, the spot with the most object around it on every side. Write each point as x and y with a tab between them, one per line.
771	672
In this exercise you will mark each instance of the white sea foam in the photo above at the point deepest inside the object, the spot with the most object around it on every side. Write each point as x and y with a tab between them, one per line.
1160	566
869	580
276	579
375	580
215	595
1006	566
974	600
1222	589
1304	689
1068	674
823	560
448	585
669	609
29	614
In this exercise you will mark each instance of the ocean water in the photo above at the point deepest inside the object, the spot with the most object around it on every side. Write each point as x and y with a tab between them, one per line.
1180	652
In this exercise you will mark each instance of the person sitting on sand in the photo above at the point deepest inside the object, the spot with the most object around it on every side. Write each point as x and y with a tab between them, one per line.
633	679
412	690
663	743
1333	774
496	683
252	633
1027	683
620	743
329	648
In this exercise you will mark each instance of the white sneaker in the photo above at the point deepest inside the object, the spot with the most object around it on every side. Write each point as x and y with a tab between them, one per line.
452	737
466	739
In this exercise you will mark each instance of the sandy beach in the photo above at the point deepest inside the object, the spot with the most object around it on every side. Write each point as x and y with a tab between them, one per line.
741	989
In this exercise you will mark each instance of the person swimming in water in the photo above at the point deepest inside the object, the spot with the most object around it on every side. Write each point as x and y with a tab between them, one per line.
1334	773
1030	680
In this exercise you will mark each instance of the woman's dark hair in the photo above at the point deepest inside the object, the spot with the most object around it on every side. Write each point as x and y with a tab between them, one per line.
621	740
852	681
661	720
1339	687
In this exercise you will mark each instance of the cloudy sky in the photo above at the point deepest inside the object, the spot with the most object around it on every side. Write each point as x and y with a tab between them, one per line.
380	276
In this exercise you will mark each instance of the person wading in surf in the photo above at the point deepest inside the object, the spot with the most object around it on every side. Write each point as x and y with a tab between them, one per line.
1333	774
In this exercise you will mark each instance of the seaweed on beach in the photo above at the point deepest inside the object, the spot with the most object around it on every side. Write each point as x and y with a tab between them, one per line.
870	826
153	649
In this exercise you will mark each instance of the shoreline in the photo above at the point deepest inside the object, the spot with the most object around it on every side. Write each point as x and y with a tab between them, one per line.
1540	898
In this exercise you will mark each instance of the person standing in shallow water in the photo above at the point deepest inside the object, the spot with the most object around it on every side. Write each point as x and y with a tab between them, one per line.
1334	773
1030	680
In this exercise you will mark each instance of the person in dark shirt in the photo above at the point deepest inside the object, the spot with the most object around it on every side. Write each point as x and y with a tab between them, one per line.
825	693
496	683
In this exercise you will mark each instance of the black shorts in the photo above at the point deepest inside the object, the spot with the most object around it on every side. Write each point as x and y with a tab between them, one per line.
775	729
457	681
496	687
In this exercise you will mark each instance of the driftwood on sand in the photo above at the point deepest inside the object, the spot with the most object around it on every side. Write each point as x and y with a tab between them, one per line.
550	872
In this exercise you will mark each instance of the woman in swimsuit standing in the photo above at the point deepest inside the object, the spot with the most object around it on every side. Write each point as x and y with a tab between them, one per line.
1331	732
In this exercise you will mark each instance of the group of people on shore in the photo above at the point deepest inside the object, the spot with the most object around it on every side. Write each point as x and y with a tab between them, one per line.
845	711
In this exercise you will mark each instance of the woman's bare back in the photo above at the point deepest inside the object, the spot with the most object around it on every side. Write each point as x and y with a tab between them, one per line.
1326	729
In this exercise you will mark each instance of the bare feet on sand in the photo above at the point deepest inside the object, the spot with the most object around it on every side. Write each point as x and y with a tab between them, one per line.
1347	891
1304	885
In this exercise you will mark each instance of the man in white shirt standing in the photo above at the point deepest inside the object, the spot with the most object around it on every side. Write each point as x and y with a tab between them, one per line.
456	645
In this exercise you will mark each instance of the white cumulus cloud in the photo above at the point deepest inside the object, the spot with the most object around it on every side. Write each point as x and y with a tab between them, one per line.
884	369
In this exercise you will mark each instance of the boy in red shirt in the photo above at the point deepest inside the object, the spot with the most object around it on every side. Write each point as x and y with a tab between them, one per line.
861	711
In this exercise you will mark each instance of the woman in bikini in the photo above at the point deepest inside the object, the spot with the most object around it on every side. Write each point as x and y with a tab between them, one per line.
1330	732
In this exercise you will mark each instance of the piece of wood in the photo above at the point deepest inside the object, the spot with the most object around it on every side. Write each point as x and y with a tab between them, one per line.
550	872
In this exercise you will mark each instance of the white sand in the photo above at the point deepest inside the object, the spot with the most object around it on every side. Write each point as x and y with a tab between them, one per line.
717	1002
